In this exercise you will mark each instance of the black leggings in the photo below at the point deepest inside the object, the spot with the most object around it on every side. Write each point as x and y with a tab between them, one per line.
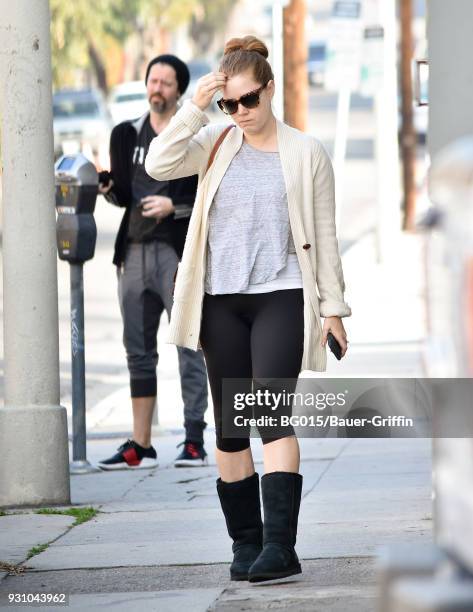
251	336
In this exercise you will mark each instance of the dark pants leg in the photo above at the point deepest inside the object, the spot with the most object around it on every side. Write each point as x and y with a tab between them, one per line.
192	370
141	309
225	338
145	290
194	392
251	336
277	342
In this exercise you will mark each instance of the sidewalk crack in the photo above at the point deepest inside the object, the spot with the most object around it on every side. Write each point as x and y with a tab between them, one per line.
328	466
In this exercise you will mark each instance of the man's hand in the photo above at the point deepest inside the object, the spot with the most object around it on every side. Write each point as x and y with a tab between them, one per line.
104	189
157	207
335	325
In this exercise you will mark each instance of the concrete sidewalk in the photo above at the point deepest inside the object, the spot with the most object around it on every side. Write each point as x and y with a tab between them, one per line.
159	541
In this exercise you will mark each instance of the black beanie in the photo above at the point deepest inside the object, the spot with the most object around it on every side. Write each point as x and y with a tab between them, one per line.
182	71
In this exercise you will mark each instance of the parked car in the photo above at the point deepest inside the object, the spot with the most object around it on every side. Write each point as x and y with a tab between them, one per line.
317	55
81	123
128	101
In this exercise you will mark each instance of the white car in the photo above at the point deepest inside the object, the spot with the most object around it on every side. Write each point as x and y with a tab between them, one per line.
81	123
128	101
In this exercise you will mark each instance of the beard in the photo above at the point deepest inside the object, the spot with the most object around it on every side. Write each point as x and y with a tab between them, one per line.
159	104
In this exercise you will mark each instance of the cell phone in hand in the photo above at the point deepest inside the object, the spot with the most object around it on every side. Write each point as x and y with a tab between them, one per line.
334	345
104	177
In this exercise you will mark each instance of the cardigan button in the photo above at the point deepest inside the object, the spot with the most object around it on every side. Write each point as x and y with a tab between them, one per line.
306	246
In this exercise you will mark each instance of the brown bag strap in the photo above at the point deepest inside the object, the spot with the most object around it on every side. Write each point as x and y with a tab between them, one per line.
216	146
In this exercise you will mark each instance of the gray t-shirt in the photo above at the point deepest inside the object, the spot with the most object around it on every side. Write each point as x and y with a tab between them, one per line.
249	233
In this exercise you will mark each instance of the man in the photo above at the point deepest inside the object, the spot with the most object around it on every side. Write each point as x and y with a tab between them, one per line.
147	249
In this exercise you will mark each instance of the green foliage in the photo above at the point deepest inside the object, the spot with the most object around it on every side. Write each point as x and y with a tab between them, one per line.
209	20
36	550
216	11
122	18
88	36
75	26
170	14
82	515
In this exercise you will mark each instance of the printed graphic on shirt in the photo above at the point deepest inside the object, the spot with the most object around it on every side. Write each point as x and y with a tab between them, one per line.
139	156
142	229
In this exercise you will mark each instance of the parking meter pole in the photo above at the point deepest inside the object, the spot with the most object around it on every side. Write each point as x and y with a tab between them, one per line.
79	464
79	452
76	233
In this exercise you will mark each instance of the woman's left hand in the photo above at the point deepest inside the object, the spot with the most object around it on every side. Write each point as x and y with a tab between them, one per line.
335	325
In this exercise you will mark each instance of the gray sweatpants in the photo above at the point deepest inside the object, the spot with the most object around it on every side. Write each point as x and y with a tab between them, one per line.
145	286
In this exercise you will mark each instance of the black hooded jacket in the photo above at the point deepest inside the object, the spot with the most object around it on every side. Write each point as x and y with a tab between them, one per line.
182	191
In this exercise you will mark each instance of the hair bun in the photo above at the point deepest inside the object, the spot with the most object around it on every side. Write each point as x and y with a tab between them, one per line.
247	43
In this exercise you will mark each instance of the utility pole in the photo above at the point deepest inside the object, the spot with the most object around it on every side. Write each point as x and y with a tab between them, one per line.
295	65
408	135
33	426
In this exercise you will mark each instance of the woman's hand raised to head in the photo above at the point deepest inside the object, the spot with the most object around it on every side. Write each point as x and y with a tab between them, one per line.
206	88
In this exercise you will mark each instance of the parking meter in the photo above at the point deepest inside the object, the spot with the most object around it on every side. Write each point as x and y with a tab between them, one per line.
76	234
76	192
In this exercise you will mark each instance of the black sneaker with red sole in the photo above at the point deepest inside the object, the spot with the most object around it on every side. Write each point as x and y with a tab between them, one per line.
131	456
193	455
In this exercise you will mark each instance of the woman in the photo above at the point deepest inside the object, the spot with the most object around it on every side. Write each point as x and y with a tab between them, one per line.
261	236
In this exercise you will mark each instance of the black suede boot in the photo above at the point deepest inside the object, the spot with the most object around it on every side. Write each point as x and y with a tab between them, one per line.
281	502
242	509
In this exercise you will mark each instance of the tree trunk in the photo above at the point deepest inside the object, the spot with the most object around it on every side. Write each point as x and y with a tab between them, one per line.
99	67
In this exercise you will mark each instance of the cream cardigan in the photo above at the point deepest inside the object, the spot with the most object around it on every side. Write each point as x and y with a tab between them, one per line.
183	149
